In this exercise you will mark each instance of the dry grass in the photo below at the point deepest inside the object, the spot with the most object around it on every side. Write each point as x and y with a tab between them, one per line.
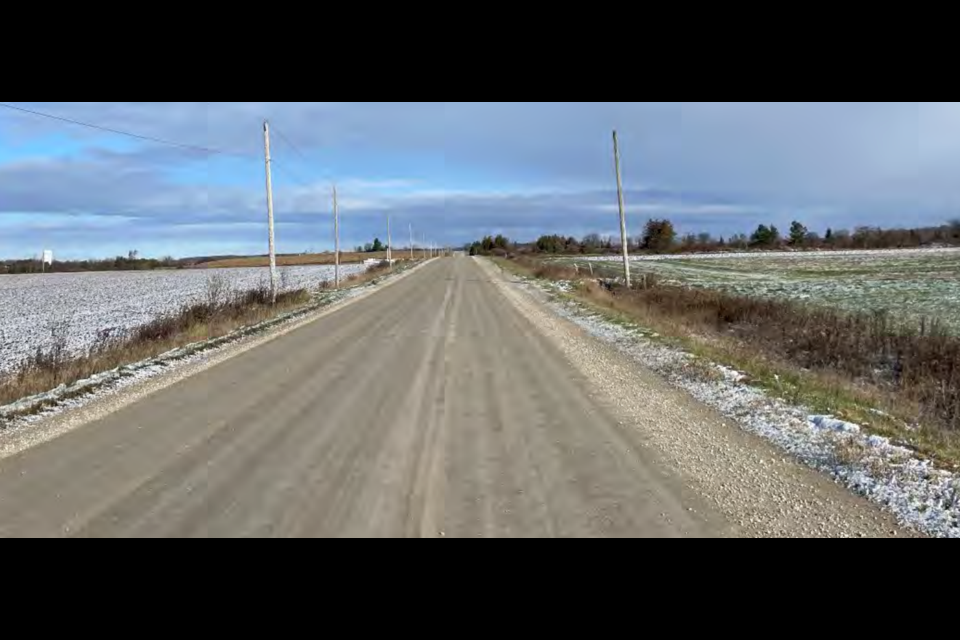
372	273
850	365
221	312
218	315
300	261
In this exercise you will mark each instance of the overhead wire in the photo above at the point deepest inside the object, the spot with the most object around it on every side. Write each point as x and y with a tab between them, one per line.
170	143
303	157
289	143
291	174
129	134
208	150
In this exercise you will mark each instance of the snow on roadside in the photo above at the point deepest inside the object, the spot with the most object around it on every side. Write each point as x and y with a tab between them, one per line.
920	495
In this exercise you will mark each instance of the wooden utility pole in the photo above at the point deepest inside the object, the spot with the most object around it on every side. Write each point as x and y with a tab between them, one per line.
412	255
389	242
623	213
336	236
273	246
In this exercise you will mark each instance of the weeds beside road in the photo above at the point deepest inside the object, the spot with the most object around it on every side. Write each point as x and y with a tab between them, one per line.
860	367
221	312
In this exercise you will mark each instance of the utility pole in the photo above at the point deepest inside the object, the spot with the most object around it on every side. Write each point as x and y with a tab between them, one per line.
623	213
389	242
273	247
412	255
336	235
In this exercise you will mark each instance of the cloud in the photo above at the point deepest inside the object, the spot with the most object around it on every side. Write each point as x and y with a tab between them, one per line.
463	169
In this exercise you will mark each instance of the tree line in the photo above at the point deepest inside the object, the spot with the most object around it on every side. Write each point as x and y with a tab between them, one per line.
660	236
130	262
376	246
490	245
120	263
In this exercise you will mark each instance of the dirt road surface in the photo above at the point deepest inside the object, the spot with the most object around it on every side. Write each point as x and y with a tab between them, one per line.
437	407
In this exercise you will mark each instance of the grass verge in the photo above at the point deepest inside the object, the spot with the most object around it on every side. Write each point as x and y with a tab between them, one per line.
905	386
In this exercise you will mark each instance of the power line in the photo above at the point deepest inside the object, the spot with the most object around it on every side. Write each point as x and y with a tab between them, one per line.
292	175
296	150
188	147
289	143
169	143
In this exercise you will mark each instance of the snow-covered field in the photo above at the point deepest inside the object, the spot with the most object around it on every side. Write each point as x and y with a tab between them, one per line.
89	303
909	284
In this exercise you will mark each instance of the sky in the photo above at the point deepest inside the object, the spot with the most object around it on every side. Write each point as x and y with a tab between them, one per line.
456	171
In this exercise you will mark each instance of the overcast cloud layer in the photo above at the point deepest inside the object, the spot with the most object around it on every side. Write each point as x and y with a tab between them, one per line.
459	170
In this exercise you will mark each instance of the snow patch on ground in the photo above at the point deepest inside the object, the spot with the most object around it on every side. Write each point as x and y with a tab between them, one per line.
920	495
829	423
561	286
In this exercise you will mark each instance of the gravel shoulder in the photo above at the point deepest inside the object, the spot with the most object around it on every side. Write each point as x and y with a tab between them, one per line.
758	489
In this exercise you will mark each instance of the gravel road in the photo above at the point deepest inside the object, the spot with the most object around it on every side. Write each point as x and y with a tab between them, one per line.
449	404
